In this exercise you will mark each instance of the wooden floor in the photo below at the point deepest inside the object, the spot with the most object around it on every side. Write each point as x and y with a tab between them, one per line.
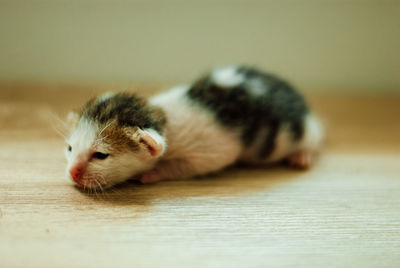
345	212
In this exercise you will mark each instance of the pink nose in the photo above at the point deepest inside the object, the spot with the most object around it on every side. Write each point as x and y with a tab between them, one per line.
77	172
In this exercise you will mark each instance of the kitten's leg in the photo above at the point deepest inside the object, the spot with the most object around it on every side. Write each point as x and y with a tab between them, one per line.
198	164
302	159
309	147
169	169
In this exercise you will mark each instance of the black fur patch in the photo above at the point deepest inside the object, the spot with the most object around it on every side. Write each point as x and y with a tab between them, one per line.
237	108
127	110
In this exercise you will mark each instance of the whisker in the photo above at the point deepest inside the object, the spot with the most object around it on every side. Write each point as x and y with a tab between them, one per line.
59	132
95	192
59	120
102	138
60	126
99	184
109	124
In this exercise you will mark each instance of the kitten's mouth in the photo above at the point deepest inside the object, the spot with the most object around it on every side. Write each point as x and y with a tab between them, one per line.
94	183
90	182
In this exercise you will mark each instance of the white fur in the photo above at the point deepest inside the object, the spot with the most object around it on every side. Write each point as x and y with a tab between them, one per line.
256	87
81	140
227	77
175	93
105	97
313	135
197	144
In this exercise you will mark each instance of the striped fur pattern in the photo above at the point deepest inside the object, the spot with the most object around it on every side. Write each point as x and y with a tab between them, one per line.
125	109
252	103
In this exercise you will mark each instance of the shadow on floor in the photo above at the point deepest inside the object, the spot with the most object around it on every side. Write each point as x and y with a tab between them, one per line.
233	181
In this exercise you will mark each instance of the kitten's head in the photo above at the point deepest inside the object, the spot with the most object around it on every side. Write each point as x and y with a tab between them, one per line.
115	137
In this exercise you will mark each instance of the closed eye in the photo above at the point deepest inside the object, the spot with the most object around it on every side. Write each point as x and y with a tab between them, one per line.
100	156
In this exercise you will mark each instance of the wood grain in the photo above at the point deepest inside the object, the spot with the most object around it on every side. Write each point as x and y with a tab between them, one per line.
345	212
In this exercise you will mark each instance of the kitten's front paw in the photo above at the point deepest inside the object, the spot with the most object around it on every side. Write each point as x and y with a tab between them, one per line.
150	177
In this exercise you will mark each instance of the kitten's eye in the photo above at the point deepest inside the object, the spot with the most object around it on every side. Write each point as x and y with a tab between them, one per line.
69	148
100	156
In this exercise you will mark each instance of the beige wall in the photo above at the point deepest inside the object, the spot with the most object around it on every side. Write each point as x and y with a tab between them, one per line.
315	43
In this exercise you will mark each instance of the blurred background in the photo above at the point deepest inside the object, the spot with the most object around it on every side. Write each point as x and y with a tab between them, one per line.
317	44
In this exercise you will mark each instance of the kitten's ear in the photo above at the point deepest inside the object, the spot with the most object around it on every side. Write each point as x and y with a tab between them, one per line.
72	118
153	141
